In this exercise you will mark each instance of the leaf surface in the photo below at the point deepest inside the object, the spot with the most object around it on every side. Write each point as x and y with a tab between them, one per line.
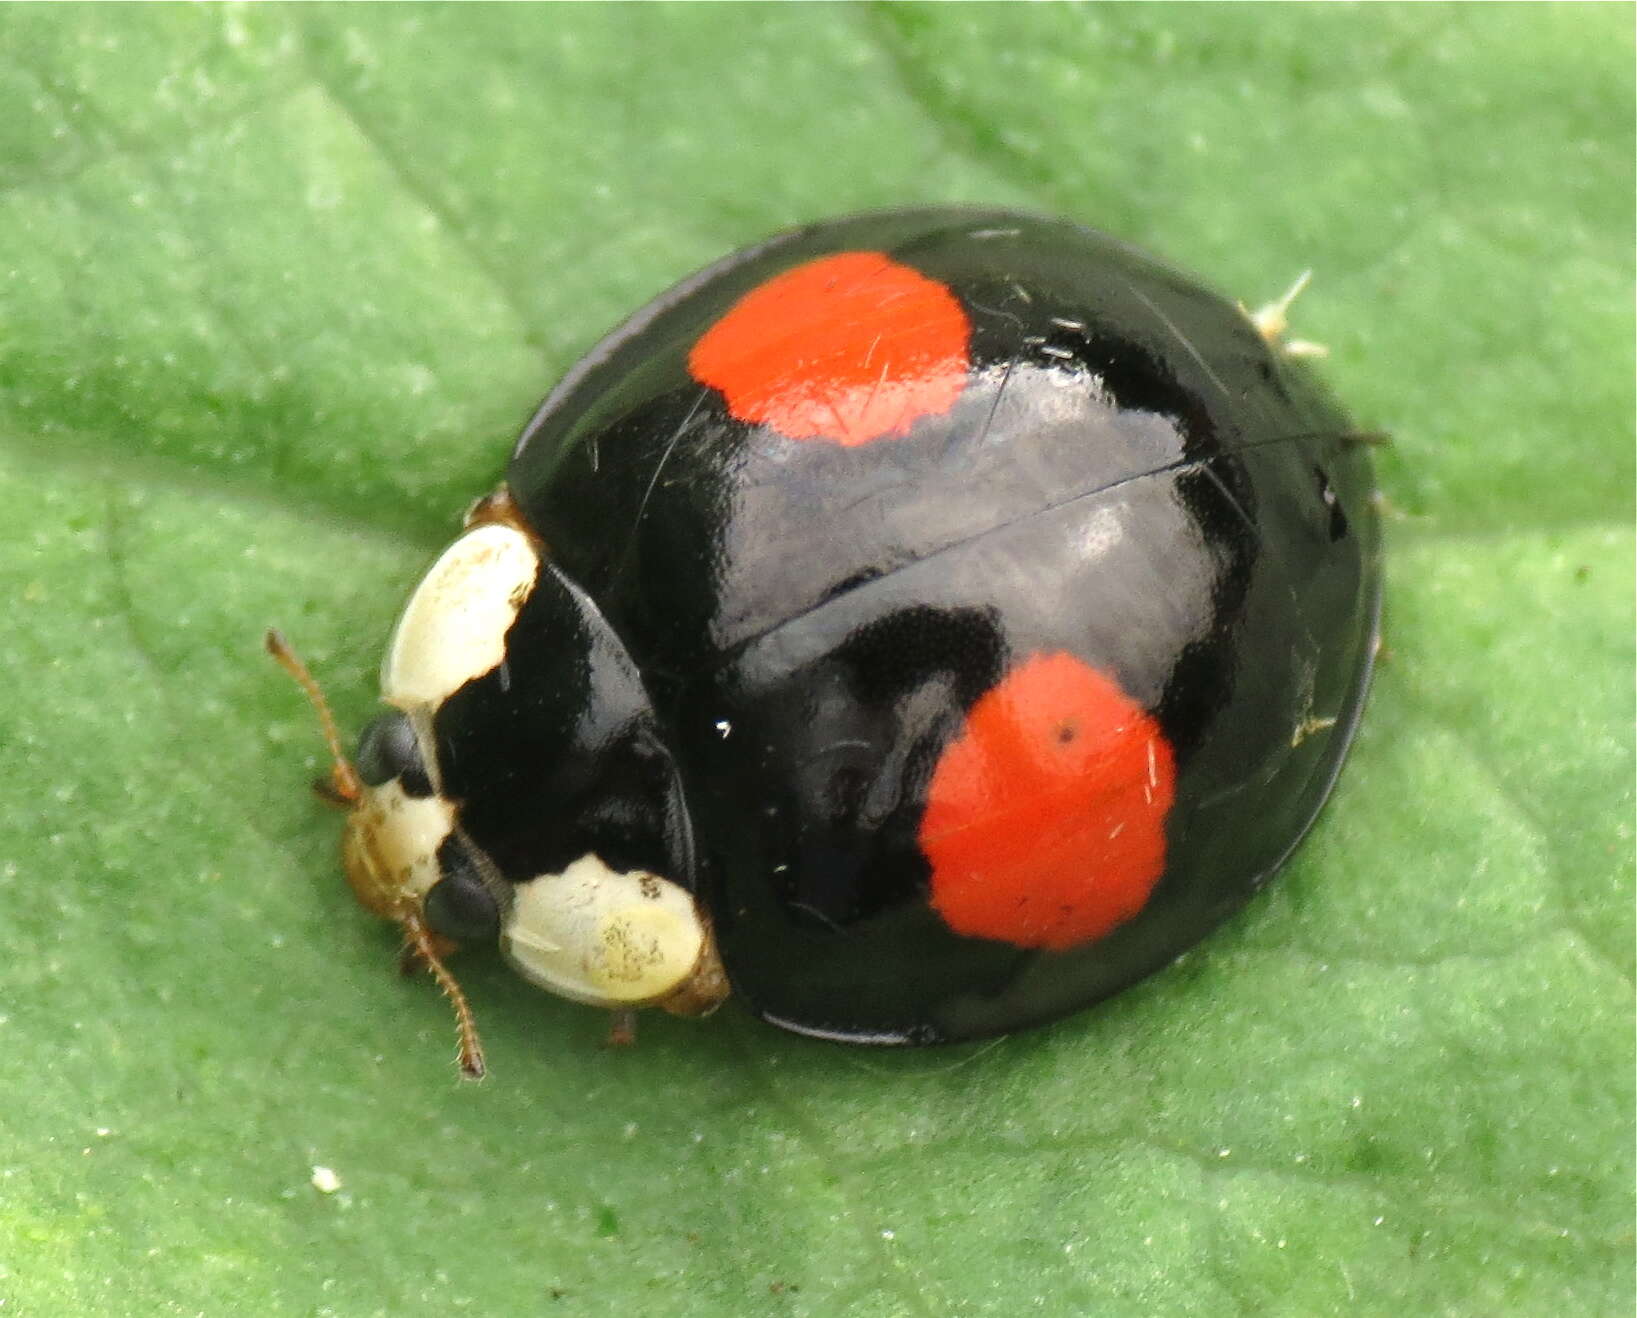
280	284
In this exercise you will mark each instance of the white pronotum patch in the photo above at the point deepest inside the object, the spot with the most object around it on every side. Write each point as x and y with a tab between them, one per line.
600	937
454	627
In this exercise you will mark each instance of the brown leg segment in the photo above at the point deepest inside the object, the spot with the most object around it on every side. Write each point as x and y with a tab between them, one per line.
498	506
622	1029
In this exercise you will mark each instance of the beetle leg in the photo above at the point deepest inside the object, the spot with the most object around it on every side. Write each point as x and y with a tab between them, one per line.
325	790
622	1029
411	960
497	506
1273	319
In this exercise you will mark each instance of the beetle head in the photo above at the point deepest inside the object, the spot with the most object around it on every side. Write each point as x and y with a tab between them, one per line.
549	872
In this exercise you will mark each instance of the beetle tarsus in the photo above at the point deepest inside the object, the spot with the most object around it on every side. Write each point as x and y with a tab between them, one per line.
498	508
1273	318
622	1029
326	790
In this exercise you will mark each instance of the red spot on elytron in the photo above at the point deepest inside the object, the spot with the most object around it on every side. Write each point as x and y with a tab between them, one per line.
1045	817
848	348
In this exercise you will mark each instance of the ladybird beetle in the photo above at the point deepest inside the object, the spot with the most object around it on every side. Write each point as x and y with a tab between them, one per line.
924	623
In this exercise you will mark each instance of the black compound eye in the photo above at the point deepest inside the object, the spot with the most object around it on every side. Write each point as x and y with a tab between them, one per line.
459	905
387	749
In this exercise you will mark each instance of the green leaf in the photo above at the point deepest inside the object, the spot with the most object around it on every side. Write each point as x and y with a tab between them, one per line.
279	284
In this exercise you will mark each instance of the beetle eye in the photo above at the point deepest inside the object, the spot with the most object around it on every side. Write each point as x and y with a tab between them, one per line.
459	905
387	749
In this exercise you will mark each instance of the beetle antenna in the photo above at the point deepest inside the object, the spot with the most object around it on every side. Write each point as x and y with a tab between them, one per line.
421	945
343	777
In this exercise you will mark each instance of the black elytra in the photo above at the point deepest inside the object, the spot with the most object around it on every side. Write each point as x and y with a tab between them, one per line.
970	609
